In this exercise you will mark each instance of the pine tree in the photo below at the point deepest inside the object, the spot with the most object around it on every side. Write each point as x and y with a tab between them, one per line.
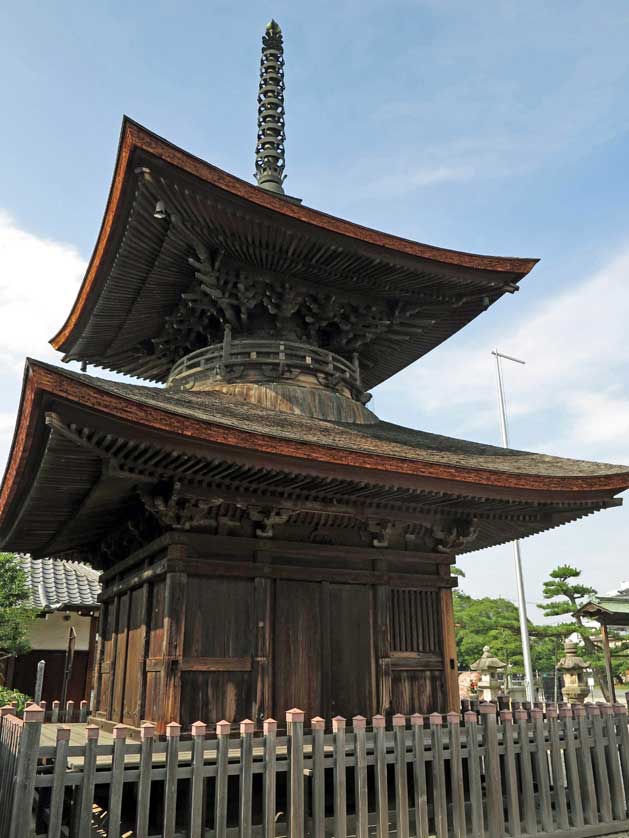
565	596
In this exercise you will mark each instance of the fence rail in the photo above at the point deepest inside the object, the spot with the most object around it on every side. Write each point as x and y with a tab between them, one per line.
522	772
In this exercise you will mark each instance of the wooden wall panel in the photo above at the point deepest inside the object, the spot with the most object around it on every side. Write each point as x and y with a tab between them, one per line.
297	648
417	691
218	649
351	662
214	696
415	620
154	675
120	662
106	664
136	633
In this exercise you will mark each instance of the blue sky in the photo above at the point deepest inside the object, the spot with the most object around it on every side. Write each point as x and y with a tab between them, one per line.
499	128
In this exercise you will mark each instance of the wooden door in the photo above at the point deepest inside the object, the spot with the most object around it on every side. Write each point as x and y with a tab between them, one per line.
350	669
218	649
297	648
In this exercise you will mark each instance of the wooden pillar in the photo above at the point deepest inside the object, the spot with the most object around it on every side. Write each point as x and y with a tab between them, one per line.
608	663
262	673
93	655
174	624
146	636
450	668
383	648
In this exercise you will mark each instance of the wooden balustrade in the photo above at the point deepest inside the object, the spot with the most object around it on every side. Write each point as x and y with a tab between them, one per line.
558	771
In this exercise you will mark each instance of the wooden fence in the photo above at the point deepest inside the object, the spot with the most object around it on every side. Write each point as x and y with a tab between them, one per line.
561	770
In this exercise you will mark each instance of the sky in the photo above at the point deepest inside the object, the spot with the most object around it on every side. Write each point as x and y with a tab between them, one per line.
499	128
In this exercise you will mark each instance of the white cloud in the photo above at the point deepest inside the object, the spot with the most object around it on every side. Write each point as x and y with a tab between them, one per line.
576	371
39	280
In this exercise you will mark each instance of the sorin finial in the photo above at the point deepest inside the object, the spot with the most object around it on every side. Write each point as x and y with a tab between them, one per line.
271	136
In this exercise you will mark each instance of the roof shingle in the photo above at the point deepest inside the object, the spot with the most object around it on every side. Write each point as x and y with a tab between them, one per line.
56	583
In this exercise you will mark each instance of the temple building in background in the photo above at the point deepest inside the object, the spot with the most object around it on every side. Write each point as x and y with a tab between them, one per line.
265	540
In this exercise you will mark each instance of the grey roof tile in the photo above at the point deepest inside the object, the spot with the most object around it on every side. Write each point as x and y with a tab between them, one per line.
56	583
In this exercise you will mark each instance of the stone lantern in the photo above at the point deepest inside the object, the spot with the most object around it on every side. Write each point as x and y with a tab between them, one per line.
576	688
488	665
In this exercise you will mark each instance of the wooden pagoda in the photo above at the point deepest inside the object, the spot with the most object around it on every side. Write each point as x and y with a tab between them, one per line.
266	541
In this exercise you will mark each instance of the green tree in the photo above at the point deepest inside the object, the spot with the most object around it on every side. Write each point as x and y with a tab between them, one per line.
564	594
494	621
15	613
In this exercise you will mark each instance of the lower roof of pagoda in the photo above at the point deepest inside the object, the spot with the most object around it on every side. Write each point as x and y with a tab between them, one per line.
139	293
86	448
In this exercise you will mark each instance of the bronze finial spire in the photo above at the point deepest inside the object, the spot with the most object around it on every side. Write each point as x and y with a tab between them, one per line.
270	147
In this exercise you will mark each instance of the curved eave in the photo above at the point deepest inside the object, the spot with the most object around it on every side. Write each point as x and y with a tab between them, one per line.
135	137
43	384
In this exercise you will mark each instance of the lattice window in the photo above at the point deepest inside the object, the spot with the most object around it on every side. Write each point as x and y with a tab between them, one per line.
414	621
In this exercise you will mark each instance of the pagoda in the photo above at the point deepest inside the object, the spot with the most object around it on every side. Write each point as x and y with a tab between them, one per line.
266	541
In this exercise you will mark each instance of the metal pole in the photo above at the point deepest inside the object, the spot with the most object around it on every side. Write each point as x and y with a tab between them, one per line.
517	558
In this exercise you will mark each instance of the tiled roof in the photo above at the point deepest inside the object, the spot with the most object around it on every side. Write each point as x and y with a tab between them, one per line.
56	583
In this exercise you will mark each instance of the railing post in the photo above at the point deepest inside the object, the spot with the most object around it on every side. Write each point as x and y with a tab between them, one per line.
382	797
493	782
359	724
83	708
39	682
438	776
246	777
613	763
541	770
620	712
600	765
419	777
572	769
55	712
511	776
173	732
198	731
586	775
295	731
147	734
87	782
270	784
340	792
24	786
222	779
526	772
117	781
317	788
473	766
57	793
456	775
559	785
69	714
401	784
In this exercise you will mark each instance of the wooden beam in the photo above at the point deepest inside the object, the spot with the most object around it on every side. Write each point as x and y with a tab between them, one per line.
311	574
201	664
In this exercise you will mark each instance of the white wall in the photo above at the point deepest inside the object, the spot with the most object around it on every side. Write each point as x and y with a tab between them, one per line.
51	632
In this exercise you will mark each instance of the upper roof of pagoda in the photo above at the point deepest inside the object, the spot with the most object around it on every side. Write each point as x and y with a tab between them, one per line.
185	247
